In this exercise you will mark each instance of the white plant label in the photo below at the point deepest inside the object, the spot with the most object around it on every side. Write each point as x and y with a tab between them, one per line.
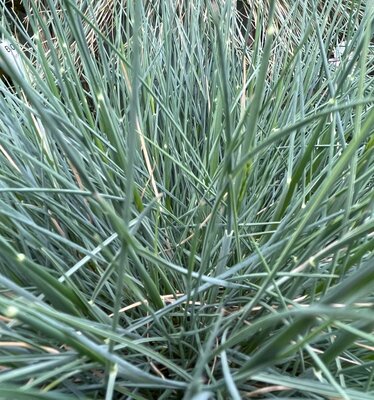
9	53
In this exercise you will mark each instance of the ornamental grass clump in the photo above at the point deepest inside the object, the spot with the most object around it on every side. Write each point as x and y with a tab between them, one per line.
186	201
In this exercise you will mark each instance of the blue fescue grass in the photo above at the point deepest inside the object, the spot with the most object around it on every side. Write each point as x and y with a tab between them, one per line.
186	201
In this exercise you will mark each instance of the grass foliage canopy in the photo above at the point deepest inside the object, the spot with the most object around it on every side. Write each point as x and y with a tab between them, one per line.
186	200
